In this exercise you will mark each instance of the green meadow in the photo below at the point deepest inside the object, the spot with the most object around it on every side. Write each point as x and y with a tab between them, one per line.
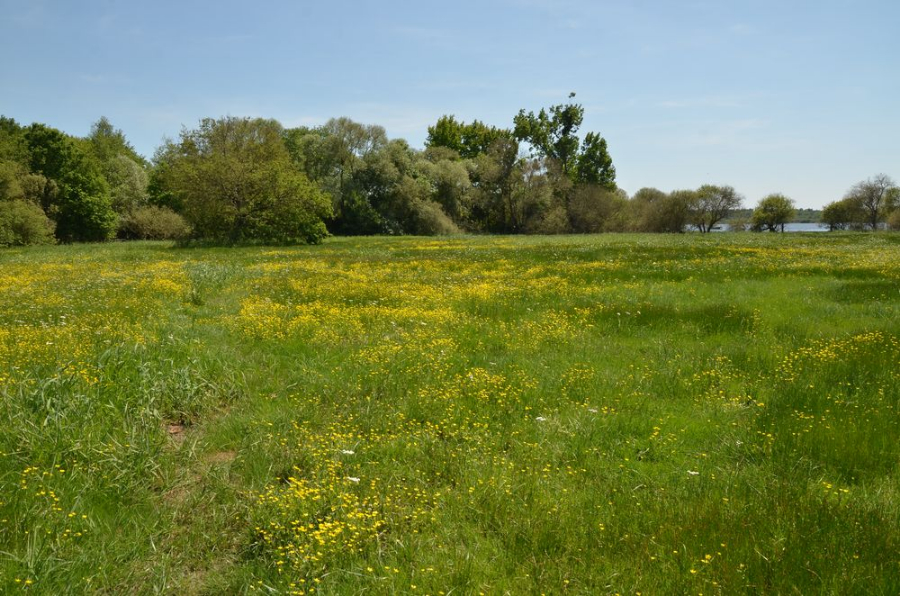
614	414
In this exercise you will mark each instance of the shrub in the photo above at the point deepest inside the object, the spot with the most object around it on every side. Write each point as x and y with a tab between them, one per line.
741	224
153	223
430	220
595	209
843	214
551	221
22	224
894	220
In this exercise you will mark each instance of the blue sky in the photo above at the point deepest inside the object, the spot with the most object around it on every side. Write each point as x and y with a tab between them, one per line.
800	97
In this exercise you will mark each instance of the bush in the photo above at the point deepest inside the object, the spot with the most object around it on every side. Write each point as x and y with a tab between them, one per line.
553	220
843	214
741	224
594	209
294	215
153	223
430	220
22	224
894	220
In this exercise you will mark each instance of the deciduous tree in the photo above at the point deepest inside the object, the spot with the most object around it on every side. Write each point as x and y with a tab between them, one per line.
712	204
874	197
81	208
843	214
772	212
237	183
467	140
552	133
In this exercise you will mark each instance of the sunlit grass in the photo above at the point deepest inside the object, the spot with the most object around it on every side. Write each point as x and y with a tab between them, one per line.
583	415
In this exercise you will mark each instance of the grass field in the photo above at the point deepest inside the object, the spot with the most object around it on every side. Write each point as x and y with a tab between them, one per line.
566	415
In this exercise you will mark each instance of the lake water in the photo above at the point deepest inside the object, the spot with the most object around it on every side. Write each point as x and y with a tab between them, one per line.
791	227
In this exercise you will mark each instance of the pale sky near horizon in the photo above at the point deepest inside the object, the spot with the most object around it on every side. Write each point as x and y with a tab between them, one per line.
800	97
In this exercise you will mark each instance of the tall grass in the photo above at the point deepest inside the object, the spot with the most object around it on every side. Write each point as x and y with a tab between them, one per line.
582	415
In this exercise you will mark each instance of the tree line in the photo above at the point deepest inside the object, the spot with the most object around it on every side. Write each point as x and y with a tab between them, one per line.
867	205
237	180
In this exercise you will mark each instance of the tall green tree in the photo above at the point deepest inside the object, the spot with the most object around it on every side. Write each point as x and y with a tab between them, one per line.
159	191
346	143
331	154
553	134
85	212
308	152
237	183
128	183
391	193
108	142
13	146
594	164
122	167
82	208
467	140
447	132
496	175
22	193
450	186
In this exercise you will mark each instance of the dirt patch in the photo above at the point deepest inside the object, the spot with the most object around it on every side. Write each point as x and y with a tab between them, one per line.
177	432
177	495
221	457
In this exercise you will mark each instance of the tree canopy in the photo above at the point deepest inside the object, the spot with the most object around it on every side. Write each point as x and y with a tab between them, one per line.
467	140
82	208
866	205
874	198
552	133
237	183
772	212
712	204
